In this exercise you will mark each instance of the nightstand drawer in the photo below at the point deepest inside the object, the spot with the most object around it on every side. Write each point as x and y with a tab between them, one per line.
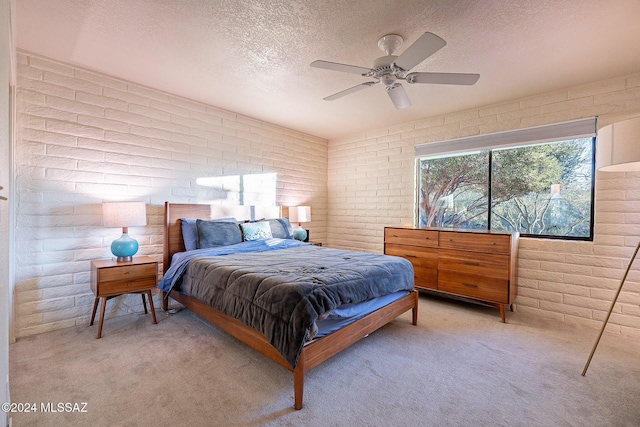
118	287
128	272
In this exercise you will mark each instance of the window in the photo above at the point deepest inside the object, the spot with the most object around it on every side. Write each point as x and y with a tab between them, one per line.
454	190
538	189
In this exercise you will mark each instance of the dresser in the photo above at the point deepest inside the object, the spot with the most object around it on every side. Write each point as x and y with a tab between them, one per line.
475	264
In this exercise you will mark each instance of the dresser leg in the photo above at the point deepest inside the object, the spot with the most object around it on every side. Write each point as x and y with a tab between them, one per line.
104	305
153	310
502	313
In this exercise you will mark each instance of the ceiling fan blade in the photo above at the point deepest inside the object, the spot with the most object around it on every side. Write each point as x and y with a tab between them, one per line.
443	78
426	45
349	91
345	68
398	96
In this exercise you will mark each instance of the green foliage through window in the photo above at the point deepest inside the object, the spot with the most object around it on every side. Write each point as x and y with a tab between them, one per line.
543	190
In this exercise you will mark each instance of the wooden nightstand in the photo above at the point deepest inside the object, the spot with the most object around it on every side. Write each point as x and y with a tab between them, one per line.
110	278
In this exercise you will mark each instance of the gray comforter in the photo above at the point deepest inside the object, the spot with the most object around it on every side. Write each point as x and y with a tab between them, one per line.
282	293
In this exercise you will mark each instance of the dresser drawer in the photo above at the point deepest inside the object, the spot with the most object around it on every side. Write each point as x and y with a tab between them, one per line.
476	242
128	272
472	286
118	287
411	236
421	257
480	264
426	278
424	261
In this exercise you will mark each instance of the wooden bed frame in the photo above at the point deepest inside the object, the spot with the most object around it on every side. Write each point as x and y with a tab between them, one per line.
314	352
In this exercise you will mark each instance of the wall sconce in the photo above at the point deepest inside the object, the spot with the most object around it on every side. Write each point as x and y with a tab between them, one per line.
300	214
125	215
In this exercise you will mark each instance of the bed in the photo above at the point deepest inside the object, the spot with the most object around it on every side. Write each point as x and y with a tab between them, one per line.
309	334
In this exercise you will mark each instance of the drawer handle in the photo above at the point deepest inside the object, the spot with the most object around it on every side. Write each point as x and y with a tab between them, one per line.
410	256
470	285
470	263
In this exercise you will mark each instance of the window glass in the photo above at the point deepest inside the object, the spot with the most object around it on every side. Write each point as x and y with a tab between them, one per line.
453	191
543	190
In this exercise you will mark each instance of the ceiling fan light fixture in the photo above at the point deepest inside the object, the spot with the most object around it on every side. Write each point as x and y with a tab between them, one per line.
398	96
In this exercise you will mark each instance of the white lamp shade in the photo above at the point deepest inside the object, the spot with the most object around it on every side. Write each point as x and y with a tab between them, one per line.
300	214
124	214
619	147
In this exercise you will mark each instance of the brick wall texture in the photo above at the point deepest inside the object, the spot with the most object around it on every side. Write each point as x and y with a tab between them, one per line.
372	180
83	138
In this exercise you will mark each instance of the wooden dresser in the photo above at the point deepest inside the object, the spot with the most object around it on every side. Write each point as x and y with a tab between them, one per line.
475	264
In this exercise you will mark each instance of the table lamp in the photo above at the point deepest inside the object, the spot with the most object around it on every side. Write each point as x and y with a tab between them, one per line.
125	215
300	214
619	151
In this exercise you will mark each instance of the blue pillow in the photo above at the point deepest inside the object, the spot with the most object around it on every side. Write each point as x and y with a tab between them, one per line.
190	235
256	230
217	233
281	228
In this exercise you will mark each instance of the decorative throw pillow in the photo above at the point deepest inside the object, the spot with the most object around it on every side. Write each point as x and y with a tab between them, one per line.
256	230
217	233
190	234
281	228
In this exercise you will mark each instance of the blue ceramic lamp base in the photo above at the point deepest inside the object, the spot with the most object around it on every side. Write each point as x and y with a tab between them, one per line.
300	234
124	248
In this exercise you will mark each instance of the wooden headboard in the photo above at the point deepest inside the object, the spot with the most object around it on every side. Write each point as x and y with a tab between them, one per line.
174	211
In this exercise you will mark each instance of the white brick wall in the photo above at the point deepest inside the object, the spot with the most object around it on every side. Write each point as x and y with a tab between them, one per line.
371	184
83	138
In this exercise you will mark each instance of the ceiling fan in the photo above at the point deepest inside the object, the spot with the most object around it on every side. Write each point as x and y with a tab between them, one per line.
391	68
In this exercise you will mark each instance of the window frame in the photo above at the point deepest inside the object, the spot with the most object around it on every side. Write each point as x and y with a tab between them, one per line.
579	129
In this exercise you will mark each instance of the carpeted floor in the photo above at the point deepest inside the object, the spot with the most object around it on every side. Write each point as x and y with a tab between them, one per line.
459	367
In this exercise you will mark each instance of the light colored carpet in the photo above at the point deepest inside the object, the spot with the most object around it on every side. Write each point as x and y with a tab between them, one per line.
459	367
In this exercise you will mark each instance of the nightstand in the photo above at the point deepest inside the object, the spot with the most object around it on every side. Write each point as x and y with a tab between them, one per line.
110	278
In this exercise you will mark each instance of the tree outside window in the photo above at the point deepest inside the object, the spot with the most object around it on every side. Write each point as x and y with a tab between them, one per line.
538	190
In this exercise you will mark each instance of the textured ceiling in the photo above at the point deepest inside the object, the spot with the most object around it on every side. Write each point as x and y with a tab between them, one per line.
252	57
